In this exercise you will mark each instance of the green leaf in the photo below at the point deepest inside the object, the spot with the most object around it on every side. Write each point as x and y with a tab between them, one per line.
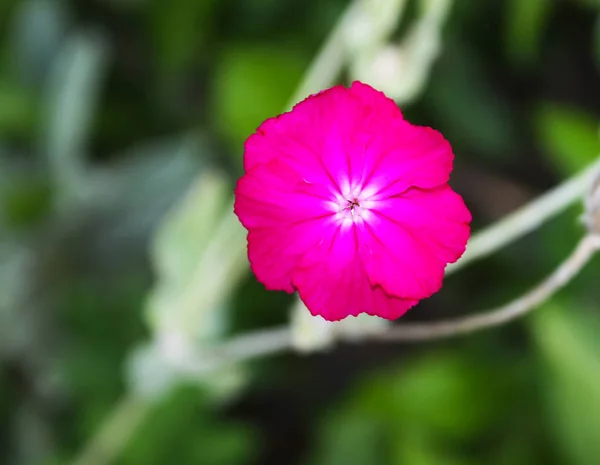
179	247
72	95
198	255
251	84
525	25
568	343
182	238
568	135
36	33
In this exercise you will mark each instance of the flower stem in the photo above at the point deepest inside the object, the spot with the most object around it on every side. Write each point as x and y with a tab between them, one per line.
270	341
580	256
482	244
116	432
528	217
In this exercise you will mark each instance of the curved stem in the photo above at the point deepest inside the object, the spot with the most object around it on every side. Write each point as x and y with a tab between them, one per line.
256	344
528	217
270	341
115	433
584	251
124	420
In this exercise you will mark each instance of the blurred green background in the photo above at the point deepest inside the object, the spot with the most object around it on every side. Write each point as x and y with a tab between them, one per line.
109	112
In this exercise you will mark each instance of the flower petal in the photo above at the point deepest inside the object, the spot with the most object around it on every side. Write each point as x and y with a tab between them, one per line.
417	157
346	138
332	281
411	238
282	214
310	138
385	108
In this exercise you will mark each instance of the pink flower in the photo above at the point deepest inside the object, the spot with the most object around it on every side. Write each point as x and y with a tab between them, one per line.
349	204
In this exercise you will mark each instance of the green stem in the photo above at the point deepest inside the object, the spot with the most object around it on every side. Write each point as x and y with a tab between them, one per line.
116	432
528	217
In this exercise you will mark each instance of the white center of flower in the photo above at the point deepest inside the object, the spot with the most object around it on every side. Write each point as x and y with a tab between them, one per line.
352	206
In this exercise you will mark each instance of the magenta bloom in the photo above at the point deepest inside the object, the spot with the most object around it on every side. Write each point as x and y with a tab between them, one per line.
349	204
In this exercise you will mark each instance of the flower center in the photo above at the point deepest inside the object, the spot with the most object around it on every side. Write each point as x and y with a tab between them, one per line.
351	207
352	204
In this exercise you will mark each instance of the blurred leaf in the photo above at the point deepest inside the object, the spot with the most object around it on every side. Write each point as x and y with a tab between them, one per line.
146	181
72	93
525	23
348	439
199	255
102	320
251	84
179	247
16	329
415	447
401	71
568	135
416	415
448	394
568	342
37	30
154	370
184	430
519	448
149	375
186	231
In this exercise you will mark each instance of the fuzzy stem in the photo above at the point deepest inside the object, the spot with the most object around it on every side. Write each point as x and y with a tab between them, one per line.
117	430
580	256
528	217
270	341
